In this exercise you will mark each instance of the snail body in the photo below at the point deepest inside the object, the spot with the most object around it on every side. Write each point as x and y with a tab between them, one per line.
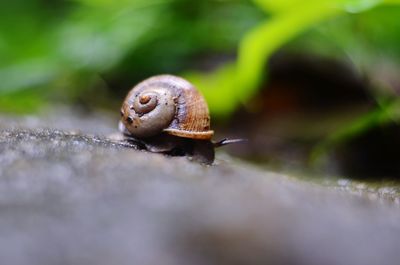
167	114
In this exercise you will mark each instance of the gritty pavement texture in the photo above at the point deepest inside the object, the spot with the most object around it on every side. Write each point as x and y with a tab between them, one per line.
75	198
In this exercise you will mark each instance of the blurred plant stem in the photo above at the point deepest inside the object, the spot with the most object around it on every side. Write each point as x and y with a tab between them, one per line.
387	112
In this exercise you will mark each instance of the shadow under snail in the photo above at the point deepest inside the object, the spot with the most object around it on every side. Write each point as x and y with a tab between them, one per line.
167	114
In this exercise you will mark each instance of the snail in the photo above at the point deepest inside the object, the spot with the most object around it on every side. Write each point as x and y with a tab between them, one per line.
167	114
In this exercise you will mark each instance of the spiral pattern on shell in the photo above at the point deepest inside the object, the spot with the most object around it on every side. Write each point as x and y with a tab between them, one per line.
166	103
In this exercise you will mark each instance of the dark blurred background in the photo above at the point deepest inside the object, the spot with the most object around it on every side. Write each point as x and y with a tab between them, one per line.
312	84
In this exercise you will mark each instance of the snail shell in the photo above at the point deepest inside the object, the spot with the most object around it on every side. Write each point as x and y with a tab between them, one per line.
169	104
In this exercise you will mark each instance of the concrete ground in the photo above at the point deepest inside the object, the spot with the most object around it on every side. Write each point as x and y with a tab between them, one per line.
69	197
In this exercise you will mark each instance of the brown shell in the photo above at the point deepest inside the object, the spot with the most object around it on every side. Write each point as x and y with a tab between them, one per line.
179	110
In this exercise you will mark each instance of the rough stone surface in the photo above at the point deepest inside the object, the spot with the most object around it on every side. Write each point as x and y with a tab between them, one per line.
70	198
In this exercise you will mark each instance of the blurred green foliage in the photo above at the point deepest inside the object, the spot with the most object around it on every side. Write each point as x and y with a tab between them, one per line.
66	50
335	28
62	49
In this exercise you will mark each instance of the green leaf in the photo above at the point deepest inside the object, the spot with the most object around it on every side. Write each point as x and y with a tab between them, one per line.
290	18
